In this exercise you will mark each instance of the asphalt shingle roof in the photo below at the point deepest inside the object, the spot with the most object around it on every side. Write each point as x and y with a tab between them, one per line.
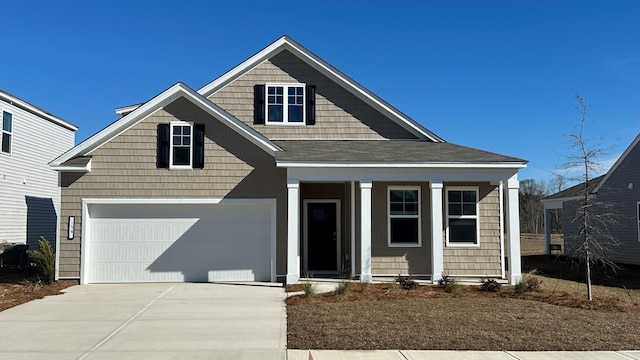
385	151
577	189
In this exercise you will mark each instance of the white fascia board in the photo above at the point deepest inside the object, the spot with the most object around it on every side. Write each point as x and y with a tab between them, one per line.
615	166
295	164
23	104
126	109
166	97
286	43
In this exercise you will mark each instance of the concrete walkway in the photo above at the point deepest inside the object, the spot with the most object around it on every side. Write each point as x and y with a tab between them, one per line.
460	355
149	321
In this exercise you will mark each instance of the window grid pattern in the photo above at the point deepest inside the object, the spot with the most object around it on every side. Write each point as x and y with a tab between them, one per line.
181	145
404	216
462	216
285	104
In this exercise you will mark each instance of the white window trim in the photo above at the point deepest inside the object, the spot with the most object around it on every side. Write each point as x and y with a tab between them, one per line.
285	104
2	132
389	216
476	216
180	167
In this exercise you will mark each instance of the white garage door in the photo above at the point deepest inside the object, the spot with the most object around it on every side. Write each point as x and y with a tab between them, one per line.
178	242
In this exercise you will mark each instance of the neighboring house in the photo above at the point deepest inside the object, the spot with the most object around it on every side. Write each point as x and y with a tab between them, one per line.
620	186
29	193
281	168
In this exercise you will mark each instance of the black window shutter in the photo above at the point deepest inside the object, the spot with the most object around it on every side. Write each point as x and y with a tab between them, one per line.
162	160
198	147
311	105
258	104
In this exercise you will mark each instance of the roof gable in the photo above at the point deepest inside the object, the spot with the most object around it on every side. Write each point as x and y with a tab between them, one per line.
288	44
15	101
166	97
621	159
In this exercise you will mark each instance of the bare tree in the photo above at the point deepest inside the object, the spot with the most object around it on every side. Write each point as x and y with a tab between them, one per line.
531	210
593	219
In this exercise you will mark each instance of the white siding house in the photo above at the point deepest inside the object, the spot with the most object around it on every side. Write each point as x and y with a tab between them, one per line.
29	193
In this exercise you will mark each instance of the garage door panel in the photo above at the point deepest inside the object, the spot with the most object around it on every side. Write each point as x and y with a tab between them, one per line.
130	243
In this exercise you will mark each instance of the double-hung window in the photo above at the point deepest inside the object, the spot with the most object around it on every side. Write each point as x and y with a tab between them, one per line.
462	216
404	216
285	104
7	132
181	145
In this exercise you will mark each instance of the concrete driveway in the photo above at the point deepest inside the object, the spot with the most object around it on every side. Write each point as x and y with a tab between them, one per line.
149	321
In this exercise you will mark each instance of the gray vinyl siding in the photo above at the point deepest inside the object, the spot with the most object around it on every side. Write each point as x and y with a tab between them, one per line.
125	167
616	191
486	259
339	114
386	260
29	196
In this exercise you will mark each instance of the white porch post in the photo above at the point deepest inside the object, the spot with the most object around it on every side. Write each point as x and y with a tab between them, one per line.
513	230
365	230
437	253
293	231
547	231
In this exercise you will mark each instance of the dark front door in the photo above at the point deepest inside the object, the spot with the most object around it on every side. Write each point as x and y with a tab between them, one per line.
322	237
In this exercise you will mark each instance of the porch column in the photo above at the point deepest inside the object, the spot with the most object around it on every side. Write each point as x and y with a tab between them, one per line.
437	253
365	230
293	231
513	230
547	231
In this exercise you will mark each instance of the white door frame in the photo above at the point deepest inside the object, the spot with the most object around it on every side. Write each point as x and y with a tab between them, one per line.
305	231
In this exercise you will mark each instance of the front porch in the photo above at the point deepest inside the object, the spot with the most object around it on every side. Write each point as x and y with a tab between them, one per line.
341	228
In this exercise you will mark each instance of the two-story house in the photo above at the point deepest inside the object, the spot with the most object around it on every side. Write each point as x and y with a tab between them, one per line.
29	194
282	168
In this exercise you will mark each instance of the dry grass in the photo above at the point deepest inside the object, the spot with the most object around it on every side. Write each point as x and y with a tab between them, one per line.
18	286
558	317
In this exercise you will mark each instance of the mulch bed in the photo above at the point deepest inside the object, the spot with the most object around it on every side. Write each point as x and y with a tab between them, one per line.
18	286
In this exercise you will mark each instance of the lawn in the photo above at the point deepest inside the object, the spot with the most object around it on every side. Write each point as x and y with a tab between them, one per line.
557	317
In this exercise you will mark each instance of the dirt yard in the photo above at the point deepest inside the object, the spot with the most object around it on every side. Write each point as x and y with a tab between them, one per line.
557	317
18	286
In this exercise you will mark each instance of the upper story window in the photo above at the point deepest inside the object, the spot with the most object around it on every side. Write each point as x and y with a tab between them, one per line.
462	216
7	132
180	145
403	220
285	104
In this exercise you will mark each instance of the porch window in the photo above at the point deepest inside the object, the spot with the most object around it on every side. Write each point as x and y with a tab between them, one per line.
403	220
462	216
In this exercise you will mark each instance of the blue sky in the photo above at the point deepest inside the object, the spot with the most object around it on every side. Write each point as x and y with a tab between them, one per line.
495	75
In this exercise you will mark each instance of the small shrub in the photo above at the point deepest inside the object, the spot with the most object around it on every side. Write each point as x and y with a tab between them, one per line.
520	287
309	289
342	287
533	284
490	285
45	260
448	283
406	282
